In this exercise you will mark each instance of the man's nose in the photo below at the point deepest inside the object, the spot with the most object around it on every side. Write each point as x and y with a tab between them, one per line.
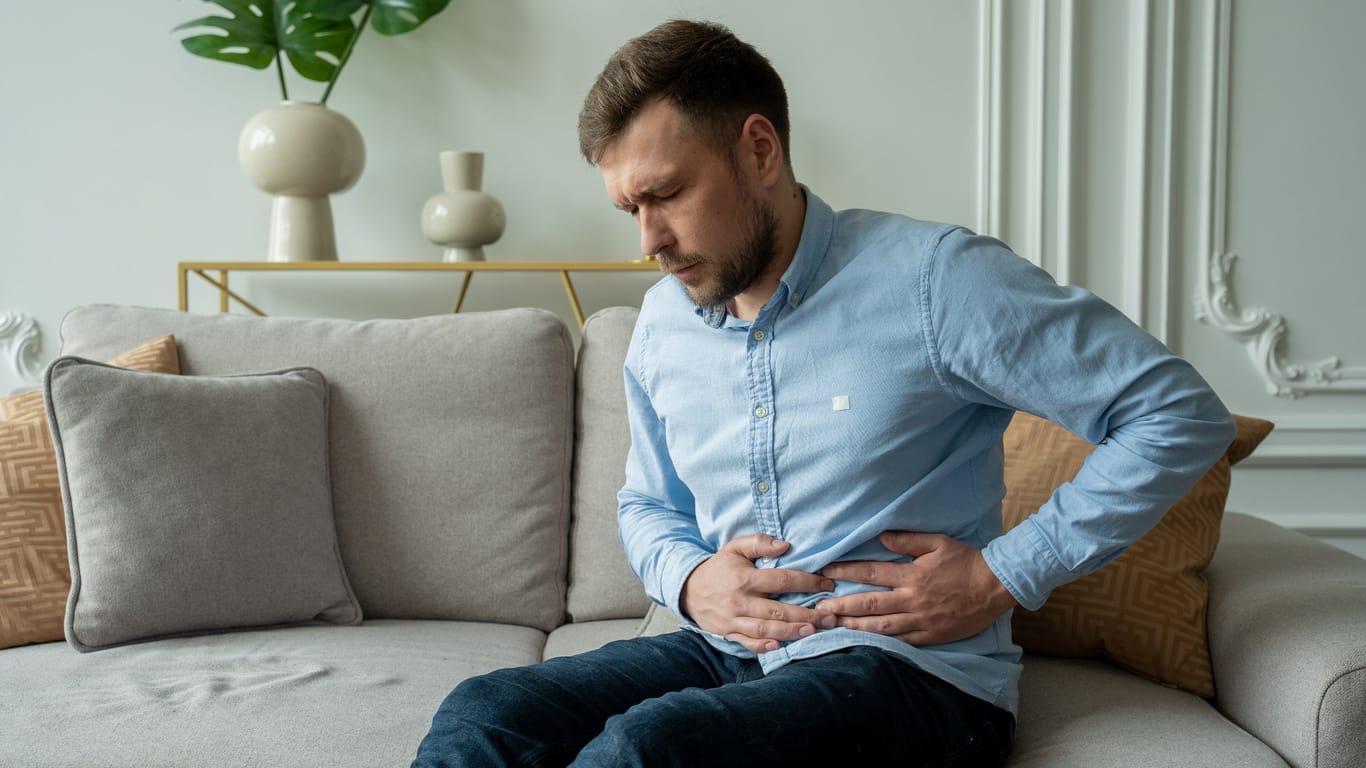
654	231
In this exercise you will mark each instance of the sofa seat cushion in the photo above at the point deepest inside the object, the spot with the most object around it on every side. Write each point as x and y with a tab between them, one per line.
450	443
1079	713
581	636
299	696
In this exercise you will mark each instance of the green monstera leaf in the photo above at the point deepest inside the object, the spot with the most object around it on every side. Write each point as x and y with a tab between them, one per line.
245	36
317	36
314	45
256	32
388	17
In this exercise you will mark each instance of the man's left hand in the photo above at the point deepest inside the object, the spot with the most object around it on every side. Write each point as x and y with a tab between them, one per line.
947	593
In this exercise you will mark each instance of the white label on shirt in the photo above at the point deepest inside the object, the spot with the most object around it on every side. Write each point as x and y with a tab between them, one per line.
839	403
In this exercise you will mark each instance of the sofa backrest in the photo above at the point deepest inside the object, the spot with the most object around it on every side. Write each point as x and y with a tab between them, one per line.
451	441
601	585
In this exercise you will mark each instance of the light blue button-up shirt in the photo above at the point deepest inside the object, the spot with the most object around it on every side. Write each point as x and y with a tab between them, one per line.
870	394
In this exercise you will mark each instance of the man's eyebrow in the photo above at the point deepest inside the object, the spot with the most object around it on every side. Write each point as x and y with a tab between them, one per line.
654	189
651	190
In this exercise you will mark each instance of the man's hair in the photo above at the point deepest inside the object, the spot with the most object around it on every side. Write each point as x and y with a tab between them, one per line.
714	79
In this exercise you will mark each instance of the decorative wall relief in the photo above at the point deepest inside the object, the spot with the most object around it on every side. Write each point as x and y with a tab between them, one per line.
1260	330
21	343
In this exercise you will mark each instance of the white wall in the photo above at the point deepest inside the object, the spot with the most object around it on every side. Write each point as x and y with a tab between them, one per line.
1126	145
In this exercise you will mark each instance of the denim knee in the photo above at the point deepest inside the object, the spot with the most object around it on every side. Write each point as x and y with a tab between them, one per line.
466	728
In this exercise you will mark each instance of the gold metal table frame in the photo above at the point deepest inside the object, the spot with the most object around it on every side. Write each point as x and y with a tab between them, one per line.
202	268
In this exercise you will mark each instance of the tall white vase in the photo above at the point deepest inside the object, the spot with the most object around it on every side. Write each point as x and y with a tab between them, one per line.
301	152
461	217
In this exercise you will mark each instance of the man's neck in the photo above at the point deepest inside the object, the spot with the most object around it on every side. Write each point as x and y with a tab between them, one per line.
791	213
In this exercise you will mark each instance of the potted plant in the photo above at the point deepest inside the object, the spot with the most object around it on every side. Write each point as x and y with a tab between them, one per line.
301	151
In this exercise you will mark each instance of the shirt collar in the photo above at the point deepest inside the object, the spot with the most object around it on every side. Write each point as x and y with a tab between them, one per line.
817	228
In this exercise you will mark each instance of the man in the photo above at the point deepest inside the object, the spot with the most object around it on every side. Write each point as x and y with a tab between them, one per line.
816	403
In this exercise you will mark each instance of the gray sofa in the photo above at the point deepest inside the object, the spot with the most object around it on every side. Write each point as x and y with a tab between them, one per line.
474	465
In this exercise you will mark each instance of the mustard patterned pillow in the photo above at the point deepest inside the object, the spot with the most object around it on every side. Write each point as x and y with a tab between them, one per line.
1145	610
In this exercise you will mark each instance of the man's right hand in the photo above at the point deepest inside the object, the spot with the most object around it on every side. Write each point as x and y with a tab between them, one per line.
729	596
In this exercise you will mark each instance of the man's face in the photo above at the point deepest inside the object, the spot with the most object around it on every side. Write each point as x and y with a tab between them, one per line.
699	212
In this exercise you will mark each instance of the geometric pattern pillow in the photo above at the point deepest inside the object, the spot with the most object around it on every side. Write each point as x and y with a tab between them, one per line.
34	573
1145	610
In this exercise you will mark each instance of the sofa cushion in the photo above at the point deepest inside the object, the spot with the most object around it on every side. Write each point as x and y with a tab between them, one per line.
601	584
34	575
303	697
450	444
1145	610
194	504
1079	713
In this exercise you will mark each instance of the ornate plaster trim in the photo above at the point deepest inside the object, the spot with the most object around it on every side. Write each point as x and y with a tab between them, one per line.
21	343
1260	330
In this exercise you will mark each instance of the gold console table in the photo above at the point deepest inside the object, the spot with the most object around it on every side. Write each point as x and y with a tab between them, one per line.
202	268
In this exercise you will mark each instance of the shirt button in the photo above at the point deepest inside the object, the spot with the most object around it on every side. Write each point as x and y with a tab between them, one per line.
796	298
761	412
766	560
763	487
758	335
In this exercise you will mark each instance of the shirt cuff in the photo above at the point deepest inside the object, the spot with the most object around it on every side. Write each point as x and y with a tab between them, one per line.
676	575
1026	565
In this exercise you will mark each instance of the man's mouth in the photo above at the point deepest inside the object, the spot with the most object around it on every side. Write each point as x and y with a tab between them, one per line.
679	271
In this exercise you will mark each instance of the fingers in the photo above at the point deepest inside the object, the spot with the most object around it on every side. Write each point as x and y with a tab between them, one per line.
764	635
778	581
864	604
901	625
755	546
727	595
881	574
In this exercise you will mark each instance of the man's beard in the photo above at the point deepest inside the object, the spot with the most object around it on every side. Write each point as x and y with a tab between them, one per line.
735	274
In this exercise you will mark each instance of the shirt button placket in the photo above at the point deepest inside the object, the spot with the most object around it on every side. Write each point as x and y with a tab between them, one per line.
759	377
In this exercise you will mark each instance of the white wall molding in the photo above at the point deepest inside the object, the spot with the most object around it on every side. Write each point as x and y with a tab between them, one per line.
1041	135
1312	444
21	342
1261	331
989	109
1027	51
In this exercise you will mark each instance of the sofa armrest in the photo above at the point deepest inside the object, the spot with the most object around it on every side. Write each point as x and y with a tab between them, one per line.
1287	634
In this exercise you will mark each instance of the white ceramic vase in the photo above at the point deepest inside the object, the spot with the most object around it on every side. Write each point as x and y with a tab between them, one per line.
301	152
461	217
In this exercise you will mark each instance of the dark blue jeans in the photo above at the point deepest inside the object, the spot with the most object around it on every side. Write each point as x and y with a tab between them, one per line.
673	700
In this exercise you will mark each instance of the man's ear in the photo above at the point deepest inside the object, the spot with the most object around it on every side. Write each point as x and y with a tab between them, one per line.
760	148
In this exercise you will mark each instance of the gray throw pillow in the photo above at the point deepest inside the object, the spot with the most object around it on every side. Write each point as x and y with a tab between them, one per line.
194	504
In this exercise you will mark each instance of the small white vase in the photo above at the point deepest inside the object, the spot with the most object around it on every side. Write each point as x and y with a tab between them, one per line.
461	217
301	152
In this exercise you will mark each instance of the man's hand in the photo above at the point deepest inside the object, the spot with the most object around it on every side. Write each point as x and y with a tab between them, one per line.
948	593
729	596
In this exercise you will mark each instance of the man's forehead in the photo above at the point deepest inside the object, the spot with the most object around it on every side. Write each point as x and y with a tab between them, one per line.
657	134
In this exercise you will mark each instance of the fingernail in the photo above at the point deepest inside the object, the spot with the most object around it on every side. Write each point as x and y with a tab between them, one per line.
806	630
827	586
771	646
827	622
